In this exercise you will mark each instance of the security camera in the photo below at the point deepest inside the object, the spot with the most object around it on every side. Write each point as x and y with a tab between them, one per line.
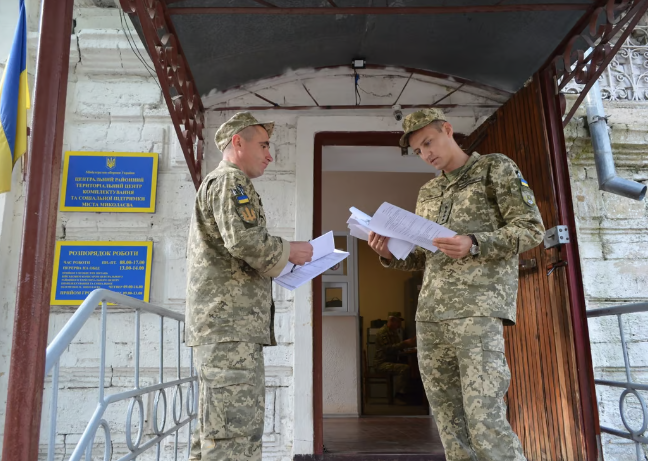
398	115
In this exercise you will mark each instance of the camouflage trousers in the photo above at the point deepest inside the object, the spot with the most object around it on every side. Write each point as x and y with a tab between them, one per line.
465	375
400	370
231	404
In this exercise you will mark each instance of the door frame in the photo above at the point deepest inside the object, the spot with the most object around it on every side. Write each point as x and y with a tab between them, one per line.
307	358
331	138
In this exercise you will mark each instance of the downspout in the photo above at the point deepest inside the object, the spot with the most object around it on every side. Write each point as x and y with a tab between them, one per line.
607	177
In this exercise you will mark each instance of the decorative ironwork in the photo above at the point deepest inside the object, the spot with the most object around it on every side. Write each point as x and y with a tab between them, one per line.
637	434
626	77
587	53
176	80
179	407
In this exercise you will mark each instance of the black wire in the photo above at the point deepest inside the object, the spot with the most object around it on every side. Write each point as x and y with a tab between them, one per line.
133	48
358	96
132	39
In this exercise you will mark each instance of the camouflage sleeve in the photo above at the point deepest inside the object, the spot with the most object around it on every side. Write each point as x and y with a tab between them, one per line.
384	345
415	261
239	226
524	228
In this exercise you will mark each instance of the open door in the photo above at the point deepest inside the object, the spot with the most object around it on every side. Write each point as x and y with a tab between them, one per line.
546	402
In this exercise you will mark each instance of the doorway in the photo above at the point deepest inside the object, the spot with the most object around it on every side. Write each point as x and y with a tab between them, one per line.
362	413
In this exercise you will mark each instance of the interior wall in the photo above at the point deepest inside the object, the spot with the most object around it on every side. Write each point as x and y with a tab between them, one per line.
339	352
366	191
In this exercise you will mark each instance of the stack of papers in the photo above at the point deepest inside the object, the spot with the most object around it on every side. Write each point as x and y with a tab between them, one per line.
359	226
404	229
325	256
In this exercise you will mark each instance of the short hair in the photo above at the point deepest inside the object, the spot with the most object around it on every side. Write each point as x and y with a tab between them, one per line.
438	124
246	133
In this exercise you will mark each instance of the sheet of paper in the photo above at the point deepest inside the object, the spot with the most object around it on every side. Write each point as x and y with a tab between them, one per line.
358	225
360	216
322	245
400	248
303	274
392	221
287	269
359	232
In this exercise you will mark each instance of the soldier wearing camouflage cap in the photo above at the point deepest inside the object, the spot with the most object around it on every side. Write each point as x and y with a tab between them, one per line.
231	259
469	287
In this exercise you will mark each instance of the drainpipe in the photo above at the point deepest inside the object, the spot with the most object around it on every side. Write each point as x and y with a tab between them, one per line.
607	177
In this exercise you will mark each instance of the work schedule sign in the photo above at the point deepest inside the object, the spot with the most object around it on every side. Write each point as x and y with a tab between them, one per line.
81	267
109	182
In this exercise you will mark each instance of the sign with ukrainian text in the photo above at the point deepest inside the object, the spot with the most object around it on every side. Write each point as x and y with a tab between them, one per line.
109	182
81	267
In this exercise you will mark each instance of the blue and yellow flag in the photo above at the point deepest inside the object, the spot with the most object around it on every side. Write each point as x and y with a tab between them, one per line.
14	102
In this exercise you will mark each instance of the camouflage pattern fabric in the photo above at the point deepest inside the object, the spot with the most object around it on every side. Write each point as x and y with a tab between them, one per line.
231	259
417	120
401	371
235	125
231	402
388	344
491	200
465	375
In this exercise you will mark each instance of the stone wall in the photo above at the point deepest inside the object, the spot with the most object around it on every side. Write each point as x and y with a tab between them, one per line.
613	237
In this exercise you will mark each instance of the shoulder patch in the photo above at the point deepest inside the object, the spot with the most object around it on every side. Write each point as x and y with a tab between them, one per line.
527	193
247	214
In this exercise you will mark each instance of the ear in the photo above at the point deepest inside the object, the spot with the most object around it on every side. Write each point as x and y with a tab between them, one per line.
447	128
236	141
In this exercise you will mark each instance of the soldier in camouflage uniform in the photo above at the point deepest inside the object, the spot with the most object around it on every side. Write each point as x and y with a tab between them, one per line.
231	259
388	344
469	287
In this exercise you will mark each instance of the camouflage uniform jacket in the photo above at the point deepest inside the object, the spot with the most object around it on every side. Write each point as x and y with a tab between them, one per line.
490	199
388	344
230	261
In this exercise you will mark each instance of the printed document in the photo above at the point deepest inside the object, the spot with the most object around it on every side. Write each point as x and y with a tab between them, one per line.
401	226
359	228
325	256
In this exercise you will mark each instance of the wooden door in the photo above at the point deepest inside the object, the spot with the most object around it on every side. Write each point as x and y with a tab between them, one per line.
544	402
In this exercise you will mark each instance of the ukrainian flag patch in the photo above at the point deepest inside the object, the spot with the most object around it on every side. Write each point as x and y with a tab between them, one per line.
524	183
243	199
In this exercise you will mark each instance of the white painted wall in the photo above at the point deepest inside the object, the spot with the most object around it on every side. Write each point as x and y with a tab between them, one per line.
8	20
339	365
613	238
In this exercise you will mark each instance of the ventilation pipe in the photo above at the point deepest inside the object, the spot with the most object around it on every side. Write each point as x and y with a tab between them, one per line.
607	177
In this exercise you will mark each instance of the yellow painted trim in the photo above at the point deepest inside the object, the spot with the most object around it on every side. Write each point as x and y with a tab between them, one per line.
66	162
77	302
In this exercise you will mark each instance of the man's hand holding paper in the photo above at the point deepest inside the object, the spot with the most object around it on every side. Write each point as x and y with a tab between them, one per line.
456	247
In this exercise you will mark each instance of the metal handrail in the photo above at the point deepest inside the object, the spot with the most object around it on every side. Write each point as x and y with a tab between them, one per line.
63	339
631	387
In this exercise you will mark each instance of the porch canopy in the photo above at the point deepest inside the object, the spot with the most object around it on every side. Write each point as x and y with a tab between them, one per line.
495	43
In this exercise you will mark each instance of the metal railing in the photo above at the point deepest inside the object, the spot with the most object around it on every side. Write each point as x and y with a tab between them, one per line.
637	435
181	417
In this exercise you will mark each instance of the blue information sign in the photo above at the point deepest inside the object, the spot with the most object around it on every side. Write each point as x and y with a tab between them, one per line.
81	267
109	181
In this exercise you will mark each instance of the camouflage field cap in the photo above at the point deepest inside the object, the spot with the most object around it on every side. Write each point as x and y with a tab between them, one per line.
417	120
235	125
395	315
